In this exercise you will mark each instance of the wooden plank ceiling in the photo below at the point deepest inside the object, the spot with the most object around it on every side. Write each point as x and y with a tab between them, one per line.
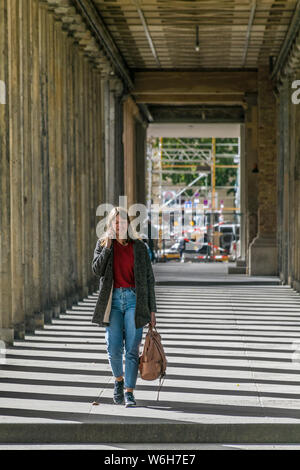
232	34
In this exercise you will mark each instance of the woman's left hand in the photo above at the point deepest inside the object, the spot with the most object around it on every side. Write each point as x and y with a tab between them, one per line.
153	319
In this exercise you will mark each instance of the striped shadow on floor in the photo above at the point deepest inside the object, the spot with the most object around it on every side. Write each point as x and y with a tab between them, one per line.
233	363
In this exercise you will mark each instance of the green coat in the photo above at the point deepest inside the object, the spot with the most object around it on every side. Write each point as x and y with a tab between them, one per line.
102	267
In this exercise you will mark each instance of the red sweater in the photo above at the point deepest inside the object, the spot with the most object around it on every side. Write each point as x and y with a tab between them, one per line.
123	265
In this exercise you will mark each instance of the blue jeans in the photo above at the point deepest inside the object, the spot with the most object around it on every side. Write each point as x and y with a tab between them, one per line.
122	327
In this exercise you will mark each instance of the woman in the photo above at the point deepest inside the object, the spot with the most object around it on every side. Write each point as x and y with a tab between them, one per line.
126	300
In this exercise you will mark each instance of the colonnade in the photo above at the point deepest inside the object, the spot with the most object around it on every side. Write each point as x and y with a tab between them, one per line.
72	136
57	159
287	86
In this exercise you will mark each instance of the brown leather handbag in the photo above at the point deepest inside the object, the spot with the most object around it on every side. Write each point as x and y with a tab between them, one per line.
152	361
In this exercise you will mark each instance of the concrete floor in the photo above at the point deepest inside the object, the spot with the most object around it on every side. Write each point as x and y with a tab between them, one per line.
205	273
144	446
232	379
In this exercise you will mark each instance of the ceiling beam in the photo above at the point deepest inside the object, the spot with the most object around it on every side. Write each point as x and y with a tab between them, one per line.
197	98
97	26
191	83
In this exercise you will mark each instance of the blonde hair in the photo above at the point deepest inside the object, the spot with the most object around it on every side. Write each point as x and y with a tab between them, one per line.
118	210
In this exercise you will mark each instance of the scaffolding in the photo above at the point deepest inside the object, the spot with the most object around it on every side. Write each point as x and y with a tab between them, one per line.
199	158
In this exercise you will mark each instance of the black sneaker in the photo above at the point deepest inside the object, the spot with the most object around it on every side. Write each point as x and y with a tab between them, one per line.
119	392
129	399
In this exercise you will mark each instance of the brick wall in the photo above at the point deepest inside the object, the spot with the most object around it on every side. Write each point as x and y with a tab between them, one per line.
267	155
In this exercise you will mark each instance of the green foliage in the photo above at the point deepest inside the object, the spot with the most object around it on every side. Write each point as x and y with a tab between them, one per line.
224	176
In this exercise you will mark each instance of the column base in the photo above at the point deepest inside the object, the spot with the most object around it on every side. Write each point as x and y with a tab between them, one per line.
29	324
56	310
33	322
63	305
241	262
48	315
239	268
39	320
19	331
7	336
85	292
295	285
263	256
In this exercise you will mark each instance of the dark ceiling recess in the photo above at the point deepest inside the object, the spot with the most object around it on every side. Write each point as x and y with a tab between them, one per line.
196	114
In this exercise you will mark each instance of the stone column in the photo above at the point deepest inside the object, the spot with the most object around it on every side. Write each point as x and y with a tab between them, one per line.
94	168
77	164
295	172
42	148
263	249
250	179
72	120
288	182
63	83
16	170
116	166
71	169
85	183
28	192
51	161
39	298
100	133
243	180
90	170
280	183
66	170
112	89
53	90
106	135
83	177
140	151
6	330
131	114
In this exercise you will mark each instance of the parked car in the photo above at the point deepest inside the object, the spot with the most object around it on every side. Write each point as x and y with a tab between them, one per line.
228	234
220	254
171	253
205	254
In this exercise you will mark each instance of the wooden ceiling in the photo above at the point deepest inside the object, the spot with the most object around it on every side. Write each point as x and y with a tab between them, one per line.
161	34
